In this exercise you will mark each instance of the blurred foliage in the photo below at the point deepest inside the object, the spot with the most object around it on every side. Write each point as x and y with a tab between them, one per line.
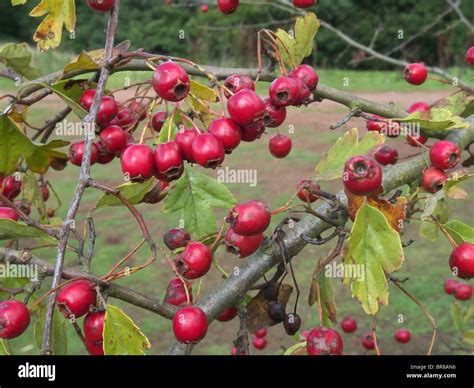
184	30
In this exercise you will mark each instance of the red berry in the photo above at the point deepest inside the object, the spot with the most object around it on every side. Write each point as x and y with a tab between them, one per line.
376	125
462	261
386	155
235	352
228	6
242	246
249	218
195	260
176	238
227	315
208	150
138	109
303	95
368	341
190	325
449	285
105	157
101	5
280	145
418	107
204	8
348	325
415	73
324	341
171	82
75	298
274	115
433	179
236	83
304	3
283	91
402	335
108	109
176	293
125	119
259	343
246	108
14	319
87	98
8	214
252	133
113	139
261	333
362	175
76	153
158	119
169	161
416	141
138	162
444	154
306	74
10	187
463	291
93	332
185	139
228	132
306	191
470	55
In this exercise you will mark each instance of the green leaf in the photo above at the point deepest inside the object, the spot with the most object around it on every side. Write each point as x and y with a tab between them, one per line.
170	129
468	337
332	165
376	249
70	91
456	104
11	230
196	195
468	316
133	191
294	348
441	119
429	230
121	335
203	111
18	58
460	231
31	193
58	331
434	203
203	92
3	348
457	313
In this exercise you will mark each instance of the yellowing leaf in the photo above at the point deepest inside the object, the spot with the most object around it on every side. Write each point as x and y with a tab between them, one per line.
332	165
18	58
58	14
376	251
203	92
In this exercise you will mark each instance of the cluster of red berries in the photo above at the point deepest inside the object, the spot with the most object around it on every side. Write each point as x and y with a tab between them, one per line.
259	340
461	291
444	155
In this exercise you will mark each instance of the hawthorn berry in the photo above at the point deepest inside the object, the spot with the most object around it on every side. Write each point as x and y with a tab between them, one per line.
105	157
113	139
236	83
208	150
307	189
227	315
169	161
190	325
235	352
304	3
362	175
292	323
108	109
252	133
138	162
463	291
386	155
274	115
283	91
324	341
415	73
204	8
375	124
249	218
76	153
348	325
93	332
444	154
302	98
433	179
14	319
158	120
227	131
195	260
87	97
276	312
176	293
461	261
246	108
185	139
368	341
101	5
261	333
138	109
280	146
176	238
156	193
416	141
402	335
75	299
470	55
242	246
7	213
126	118
419	107
228	6
449	285
259	343
44	192
10	187
171	82
306	74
